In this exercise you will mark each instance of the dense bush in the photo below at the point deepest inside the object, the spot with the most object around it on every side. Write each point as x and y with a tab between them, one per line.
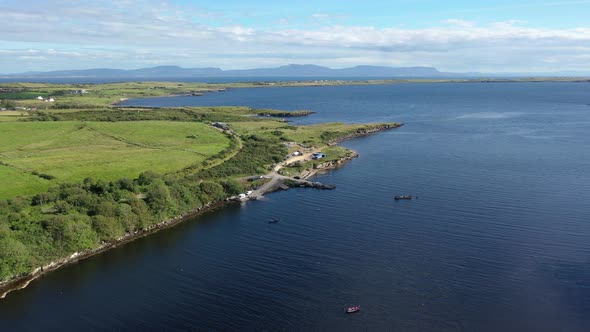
172	114
256	154
75	217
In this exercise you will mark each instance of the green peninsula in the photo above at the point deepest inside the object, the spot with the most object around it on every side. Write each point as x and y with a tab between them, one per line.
80	174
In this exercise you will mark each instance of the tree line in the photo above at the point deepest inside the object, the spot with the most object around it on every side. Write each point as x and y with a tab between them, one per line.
74	217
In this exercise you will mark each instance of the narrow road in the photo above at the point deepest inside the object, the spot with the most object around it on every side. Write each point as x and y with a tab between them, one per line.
275	177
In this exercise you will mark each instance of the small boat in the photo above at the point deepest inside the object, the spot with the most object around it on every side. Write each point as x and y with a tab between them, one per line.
273	221
354	308
398	197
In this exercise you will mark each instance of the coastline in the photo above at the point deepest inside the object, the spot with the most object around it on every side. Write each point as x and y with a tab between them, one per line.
23	281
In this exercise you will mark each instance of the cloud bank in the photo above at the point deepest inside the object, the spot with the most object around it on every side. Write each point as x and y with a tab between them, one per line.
135	33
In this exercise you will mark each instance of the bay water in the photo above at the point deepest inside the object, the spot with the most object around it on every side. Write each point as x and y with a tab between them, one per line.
498	238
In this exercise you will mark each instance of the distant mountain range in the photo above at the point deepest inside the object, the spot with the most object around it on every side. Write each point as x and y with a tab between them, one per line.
289	71
283	71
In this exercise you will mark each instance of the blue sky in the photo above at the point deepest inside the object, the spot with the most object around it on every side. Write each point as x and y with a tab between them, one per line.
453	35
407	13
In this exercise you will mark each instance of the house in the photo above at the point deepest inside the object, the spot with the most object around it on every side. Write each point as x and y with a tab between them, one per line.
318	156
220	125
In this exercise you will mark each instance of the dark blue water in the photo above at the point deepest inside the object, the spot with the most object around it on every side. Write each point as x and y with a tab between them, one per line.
497	241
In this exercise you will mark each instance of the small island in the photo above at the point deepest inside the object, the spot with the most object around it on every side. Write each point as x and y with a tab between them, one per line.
81	175
284	114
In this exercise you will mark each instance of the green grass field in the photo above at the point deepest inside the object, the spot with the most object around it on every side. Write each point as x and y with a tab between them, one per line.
72	151
256	127
311	135
69	151
16	182
11	117
100	95
22	95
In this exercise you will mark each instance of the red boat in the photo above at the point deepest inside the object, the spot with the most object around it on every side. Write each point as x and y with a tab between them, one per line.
352	309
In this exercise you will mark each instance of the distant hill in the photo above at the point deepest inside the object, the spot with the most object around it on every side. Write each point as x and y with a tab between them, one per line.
358	71
164	71
283	71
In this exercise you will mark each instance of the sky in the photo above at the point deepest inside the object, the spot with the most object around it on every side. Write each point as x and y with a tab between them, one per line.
497	36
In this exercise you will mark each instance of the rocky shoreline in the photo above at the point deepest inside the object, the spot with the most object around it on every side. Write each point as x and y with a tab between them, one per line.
329	165
24	280
365	132
286	114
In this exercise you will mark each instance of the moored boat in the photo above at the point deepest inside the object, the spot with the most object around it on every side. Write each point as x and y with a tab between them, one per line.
352	309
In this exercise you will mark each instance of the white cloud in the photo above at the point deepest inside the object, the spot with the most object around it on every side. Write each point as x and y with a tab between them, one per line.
32	57
52	51
133	33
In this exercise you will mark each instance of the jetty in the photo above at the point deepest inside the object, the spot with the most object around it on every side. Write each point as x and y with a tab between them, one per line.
281	182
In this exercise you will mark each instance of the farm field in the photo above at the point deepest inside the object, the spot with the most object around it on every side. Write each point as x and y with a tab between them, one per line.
11	118
69	151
